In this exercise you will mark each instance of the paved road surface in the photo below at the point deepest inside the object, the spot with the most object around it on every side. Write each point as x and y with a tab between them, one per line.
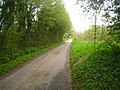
47	72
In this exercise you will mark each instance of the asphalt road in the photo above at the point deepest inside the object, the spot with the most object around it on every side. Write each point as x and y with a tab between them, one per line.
50	71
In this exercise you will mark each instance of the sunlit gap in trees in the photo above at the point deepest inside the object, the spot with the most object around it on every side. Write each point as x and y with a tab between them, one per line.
79	20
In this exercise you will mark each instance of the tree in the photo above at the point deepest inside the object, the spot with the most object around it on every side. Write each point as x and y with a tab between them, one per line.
31	23
111	9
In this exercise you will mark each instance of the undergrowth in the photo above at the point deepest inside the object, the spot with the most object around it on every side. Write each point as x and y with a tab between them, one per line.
11	61
100	70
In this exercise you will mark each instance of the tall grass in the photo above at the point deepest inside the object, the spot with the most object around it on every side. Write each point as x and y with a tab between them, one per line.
98	70
79	50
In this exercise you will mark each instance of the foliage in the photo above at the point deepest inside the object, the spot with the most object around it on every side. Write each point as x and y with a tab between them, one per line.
110	10
30	50
5	66
101	34
100	67
79	49
25	25
99	70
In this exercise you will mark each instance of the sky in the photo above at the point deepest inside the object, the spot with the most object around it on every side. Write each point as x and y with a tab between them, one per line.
80	21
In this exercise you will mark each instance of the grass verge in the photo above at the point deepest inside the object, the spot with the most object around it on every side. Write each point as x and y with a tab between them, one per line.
21	60
94	68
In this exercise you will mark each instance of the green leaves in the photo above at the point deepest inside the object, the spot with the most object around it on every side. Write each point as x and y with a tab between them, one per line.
100	70
32	23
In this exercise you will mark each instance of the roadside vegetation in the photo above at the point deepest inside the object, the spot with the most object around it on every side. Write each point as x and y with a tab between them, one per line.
30	27
95	54
94	68
27	55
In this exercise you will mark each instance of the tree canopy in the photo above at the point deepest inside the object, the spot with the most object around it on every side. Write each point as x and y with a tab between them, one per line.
30	23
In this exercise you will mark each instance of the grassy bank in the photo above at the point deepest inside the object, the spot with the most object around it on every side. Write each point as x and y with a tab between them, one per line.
7	66
94	68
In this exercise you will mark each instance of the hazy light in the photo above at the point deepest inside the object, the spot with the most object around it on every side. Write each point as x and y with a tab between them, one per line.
69	41
78	19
